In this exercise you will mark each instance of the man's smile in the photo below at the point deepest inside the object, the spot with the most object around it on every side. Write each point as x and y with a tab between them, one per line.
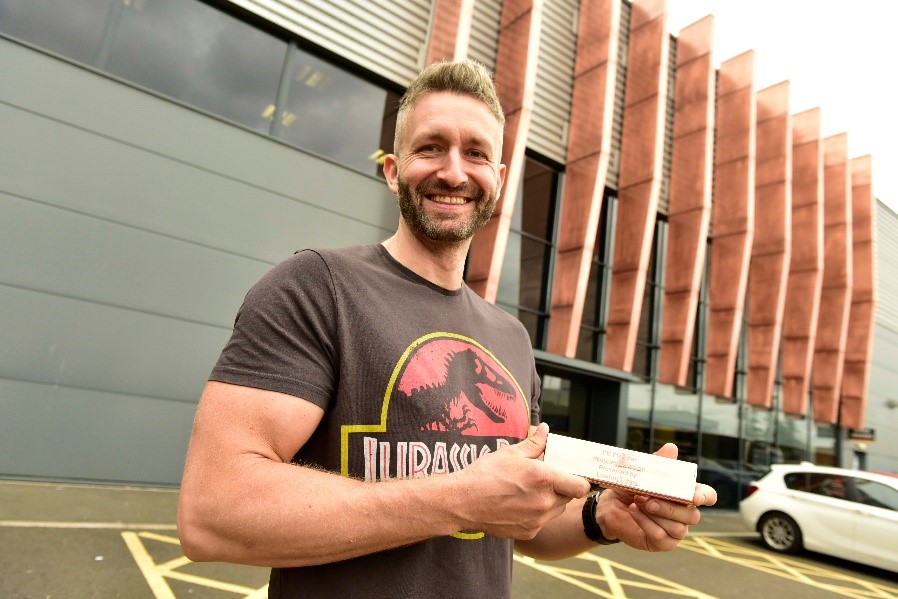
448	199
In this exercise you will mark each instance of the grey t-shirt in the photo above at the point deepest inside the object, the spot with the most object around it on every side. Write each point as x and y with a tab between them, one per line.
415	381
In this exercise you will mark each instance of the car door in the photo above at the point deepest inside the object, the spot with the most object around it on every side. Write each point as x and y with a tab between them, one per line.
875	506
825	514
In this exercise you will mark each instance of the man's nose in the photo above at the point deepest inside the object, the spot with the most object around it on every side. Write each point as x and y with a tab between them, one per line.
452	171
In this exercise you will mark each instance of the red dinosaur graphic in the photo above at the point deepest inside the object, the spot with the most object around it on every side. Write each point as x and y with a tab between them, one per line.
454	385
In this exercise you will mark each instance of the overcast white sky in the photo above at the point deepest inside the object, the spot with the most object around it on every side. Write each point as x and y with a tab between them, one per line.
838	55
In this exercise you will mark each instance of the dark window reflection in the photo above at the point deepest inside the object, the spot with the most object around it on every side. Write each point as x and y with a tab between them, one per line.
72	28
197	54
647	334
523	286
591	340
333	113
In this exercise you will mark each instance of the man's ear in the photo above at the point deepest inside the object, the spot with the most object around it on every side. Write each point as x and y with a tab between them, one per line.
500	176
391	172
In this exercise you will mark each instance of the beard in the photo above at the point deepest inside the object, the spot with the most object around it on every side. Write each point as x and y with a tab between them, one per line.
411	207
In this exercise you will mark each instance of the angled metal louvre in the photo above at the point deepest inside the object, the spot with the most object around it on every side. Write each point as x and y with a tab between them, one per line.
485	32
554	79
387	38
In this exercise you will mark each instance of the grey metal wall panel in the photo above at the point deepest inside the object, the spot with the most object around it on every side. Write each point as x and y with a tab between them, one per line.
554	79
138	187
80	256
886	250
132	438
78	343
882	415
185	179
132	228
387	37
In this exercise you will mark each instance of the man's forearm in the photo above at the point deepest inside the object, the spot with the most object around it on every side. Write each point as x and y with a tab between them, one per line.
281	515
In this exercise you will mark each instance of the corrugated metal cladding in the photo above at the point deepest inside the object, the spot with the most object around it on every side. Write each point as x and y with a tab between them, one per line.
886	252
388	37
618	126
664	200
485	32
554	79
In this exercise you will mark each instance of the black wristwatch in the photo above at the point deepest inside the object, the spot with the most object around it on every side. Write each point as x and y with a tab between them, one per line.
590	526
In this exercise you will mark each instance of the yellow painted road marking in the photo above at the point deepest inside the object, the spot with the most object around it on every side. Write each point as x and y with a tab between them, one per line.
154	578
157	573
613	583
777	565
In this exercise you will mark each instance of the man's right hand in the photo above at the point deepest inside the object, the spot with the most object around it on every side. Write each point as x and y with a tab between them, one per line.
511	493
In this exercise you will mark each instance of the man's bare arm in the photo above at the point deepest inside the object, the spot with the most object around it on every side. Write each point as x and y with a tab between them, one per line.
243	501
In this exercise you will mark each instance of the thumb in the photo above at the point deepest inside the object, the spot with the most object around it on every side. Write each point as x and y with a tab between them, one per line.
668	450
535	444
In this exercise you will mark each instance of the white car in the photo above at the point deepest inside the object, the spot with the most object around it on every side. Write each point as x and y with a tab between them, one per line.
851	514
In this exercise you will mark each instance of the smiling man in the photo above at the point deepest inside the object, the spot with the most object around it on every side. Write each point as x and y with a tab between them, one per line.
372	426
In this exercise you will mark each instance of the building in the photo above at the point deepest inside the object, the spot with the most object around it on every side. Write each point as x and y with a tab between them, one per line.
694	262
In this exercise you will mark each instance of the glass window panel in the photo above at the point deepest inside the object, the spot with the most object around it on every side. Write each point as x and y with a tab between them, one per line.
639	402
201	56
534	255
792	434
538	204
720	468
509	291
720	417
870	492
828	485
531	323
824	444
759	423
73	28
590	303
335	114
676	409
586	345
590	337
524	280
555	402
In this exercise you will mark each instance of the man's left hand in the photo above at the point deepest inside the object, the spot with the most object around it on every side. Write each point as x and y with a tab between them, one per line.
648	523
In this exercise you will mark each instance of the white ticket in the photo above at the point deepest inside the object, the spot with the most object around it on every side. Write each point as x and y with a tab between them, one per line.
632	471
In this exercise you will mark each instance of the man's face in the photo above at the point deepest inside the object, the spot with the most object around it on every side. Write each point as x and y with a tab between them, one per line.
447	176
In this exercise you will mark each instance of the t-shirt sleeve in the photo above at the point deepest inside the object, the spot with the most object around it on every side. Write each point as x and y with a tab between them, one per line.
284	333
535	398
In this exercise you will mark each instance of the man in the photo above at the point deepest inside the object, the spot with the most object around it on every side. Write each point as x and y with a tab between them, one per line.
371	426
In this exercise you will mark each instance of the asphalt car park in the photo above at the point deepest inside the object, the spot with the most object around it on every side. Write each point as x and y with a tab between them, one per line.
74	541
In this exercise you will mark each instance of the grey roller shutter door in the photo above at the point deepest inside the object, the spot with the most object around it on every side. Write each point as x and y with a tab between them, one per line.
387	37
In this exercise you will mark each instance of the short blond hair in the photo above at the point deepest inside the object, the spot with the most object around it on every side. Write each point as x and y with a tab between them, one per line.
466	77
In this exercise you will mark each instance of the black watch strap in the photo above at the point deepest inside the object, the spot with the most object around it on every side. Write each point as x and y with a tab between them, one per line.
590	526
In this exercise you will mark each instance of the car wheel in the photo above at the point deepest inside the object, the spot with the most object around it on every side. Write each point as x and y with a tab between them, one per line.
780	533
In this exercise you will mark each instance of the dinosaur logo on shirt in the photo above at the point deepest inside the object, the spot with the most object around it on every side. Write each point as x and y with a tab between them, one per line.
448	402
456	385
